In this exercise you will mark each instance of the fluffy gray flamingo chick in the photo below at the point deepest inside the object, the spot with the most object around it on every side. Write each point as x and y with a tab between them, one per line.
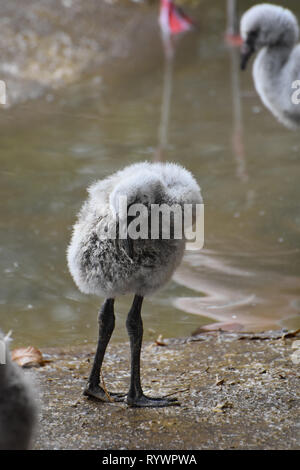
18	409
273	31
111	267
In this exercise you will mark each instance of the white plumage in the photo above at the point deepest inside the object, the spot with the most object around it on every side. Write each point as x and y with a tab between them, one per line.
97	266
273	31
112	267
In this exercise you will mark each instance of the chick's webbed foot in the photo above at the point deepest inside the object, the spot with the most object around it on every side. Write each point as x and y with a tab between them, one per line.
97	392
142	401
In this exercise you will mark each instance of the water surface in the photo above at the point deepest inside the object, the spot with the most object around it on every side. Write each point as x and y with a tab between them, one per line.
246	163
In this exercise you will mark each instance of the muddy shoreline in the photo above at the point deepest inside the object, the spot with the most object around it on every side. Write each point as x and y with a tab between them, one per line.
235	393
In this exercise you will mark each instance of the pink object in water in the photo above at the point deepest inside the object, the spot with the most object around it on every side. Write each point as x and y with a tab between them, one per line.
233	40
172	19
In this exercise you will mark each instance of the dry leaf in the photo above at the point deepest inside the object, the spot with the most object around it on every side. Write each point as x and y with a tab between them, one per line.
222	406
105	389
270	335
219	381
291	334
160	342
28	357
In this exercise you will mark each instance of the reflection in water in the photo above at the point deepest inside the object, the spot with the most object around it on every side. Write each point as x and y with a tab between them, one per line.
236	298
233	41
169	50
232	32
238	146
173	23
237	132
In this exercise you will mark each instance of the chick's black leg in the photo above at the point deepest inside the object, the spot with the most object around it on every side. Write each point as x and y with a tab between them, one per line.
106	321
136	397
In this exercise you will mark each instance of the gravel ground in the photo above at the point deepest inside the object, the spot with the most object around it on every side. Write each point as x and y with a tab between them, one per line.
236	392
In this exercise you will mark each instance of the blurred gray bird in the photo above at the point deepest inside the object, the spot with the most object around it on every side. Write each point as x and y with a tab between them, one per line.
273	31
18	406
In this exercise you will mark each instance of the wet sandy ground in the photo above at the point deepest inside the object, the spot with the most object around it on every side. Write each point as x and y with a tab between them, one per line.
236	392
